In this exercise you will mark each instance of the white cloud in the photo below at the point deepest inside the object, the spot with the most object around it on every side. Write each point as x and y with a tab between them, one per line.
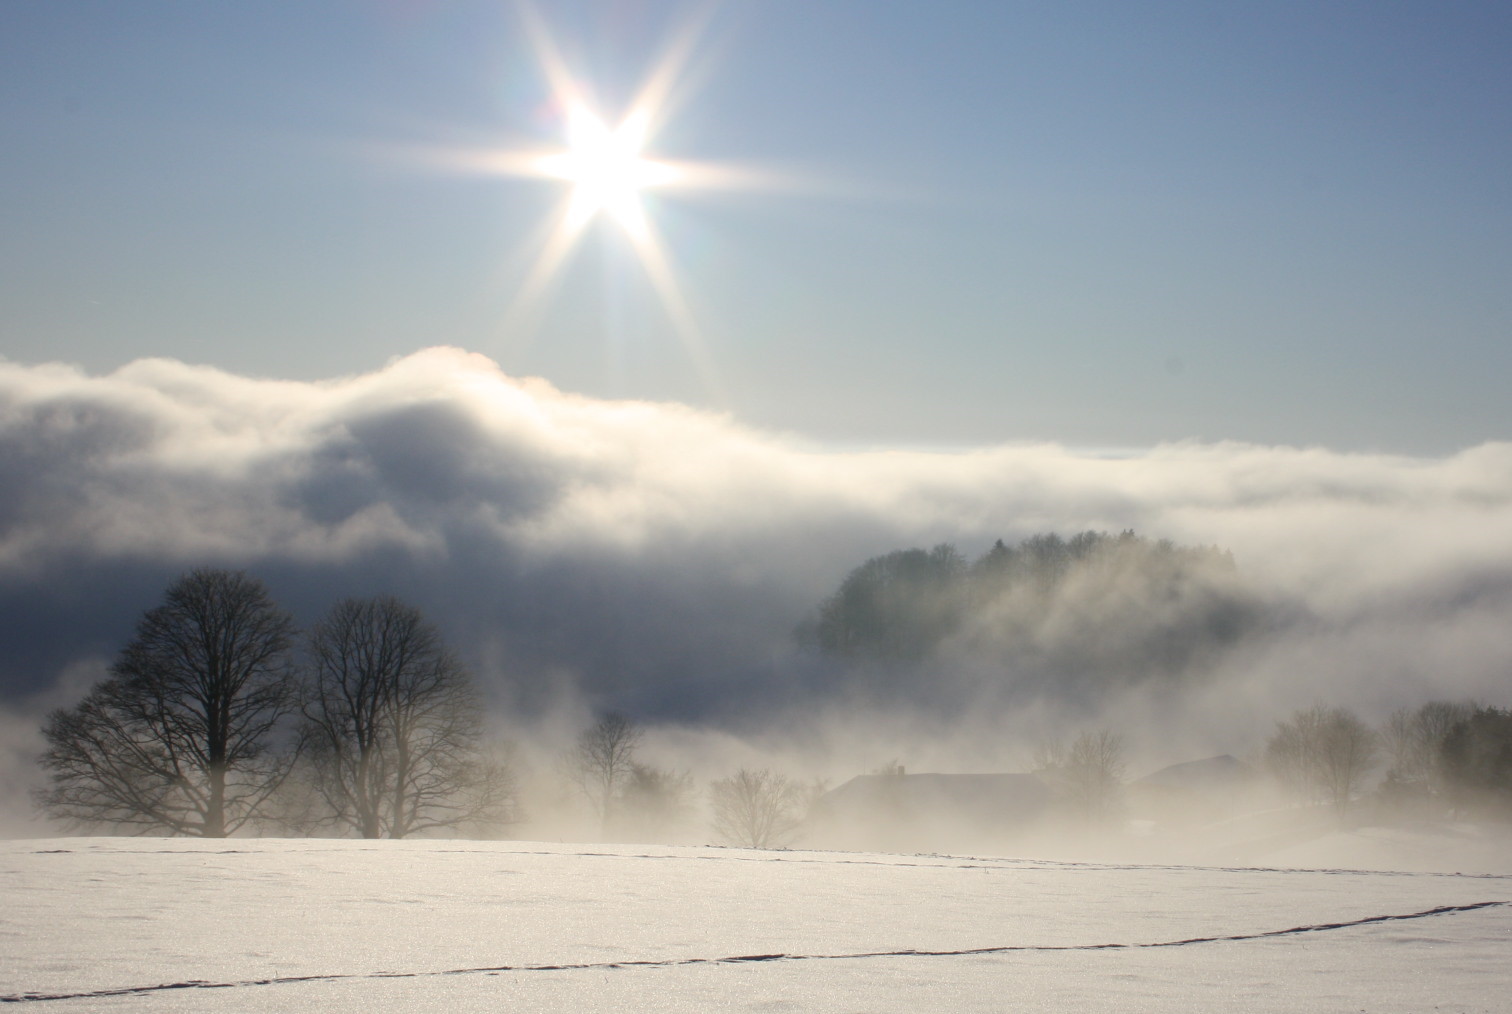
662	555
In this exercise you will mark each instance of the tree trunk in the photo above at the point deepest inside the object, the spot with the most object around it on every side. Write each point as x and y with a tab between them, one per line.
215	806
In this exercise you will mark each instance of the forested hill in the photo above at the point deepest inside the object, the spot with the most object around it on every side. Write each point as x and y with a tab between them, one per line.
1094	607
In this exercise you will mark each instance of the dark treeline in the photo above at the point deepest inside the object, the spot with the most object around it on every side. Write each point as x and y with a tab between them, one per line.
1092	609
220	716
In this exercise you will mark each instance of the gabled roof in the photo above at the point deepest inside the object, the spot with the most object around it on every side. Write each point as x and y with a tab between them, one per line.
1211	774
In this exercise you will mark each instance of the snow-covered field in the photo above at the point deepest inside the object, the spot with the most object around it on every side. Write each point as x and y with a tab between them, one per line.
140	924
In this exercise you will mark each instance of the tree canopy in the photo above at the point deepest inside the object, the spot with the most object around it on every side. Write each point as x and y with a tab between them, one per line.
394	724
177	738
1094	606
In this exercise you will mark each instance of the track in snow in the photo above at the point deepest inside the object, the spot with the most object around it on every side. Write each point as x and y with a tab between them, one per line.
1442	910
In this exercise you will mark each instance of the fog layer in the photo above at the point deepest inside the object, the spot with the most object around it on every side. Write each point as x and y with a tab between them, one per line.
657	559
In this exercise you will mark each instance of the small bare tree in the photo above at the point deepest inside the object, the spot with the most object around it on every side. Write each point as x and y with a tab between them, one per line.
1323	754
602	761
757	809
1048	755
1087	774
1094	771
179	737
1291	753
1414	742
394	726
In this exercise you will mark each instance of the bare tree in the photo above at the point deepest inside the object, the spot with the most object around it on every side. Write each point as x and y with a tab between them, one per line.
756	809
1048	755
1323	754
178	738
1414	741
394	725
602	761
1094	774
1290	753
1087	773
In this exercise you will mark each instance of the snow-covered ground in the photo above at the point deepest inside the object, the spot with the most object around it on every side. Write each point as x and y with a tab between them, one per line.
141	924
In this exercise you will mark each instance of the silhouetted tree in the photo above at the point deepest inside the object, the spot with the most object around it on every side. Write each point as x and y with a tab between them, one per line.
602	761
394	725
1094	773
1047	756
1323	754
178	738
1087	774
756	809
1414	740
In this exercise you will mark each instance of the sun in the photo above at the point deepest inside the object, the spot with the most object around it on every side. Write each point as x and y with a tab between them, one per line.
606	170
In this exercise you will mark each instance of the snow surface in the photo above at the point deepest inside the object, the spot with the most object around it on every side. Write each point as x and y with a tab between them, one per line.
142	924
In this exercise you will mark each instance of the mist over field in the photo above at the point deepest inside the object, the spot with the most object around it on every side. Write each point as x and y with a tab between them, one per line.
585	555
753	505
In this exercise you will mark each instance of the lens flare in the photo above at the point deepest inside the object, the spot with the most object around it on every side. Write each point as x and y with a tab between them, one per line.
606	170
604	165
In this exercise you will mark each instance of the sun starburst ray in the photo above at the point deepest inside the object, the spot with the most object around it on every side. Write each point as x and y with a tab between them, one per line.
606	171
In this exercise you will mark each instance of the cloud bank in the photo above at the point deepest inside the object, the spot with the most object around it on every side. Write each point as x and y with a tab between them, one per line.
657	559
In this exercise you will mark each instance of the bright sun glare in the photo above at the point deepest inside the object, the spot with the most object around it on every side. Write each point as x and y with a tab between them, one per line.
606	170
604	165
603	162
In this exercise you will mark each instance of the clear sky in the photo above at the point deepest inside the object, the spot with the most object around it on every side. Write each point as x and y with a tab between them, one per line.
1101	223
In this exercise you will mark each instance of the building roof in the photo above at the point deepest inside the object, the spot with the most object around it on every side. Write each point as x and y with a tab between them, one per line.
1210	774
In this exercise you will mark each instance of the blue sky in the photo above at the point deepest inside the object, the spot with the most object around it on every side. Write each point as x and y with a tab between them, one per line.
1105	224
